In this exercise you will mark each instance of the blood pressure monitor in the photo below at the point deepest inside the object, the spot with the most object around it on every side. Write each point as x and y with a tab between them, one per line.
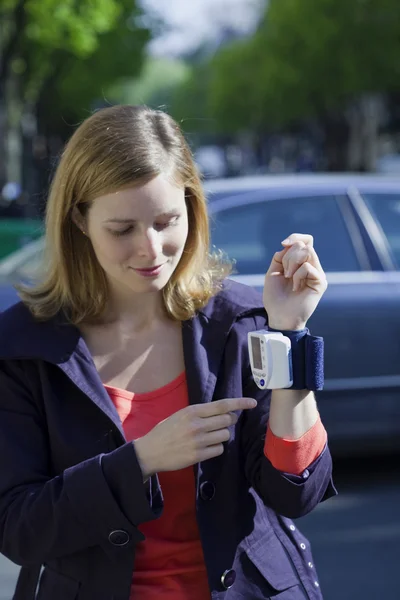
270	359
293	359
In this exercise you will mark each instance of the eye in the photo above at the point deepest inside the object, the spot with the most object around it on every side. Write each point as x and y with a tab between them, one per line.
120	232
169	223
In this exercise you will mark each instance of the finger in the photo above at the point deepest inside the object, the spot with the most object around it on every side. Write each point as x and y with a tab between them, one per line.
296	255
220	421
298	237
210	452
314	260
219	407
216	437
276	266
309	276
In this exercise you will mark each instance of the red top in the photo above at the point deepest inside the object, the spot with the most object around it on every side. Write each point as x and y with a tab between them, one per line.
169	564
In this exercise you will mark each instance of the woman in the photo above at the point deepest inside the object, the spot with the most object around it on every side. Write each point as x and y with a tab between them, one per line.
138	457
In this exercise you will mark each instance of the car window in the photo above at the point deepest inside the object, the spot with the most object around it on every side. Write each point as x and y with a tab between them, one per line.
252	233
386	210
213	196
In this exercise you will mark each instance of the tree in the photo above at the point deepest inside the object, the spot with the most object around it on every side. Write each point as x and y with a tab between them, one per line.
32	31
236	99
78	84
57	58
319	59
159	78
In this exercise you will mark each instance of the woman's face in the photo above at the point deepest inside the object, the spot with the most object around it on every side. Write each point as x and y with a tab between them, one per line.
138	235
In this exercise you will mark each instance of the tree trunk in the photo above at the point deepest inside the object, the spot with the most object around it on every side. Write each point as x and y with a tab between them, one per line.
336	132
373	108
7	54
3	134
365	117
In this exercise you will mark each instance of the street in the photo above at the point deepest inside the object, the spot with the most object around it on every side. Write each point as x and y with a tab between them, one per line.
355	536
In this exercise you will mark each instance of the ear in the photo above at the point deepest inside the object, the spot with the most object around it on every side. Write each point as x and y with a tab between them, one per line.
78	219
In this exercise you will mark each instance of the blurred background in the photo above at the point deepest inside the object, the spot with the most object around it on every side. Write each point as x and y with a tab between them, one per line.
292	109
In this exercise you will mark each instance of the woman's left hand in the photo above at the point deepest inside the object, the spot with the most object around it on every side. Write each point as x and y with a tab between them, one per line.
294	284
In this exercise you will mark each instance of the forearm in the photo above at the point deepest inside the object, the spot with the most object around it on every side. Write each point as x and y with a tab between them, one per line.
299	478
292	413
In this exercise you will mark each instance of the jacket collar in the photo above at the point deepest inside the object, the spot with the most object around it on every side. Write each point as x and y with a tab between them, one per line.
60	343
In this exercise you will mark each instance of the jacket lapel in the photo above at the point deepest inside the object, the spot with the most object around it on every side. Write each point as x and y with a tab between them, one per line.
81	370
57	342
203	345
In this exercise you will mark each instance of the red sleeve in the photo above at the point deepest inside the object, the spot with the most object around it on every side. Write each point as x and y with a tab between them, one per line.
294	456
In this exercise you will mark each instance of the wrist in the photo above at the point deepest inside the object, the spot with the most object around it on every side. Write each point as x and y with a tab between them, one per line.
277	325
144	457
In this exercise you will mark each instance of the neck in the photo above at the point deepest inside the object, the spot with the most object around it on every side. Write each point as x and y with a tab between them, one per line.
138	313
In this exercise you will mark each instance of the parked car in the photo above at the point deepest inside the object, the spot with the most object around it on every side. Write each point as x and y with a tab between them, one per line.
355	221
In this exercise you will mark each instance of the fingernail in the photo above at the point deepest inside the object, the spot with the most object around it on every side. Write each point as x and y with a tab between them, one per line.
253	403
286	241
294	287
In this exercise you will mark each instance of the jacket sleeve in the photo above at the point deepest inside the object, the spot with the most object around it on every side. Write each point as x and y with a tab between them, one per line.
42	516
290	495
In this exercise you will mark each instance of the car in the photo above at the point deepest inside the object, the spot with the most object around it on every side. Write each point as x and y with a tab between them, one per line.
355	222
19	266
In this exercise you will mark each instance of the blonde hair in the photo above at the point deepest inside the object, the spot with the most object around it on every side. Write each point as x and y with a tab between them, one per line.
115	148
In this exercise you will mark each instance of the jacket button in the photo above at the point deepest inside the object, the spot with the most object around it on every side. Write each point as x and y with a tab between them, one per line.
228	578
207	490
119	537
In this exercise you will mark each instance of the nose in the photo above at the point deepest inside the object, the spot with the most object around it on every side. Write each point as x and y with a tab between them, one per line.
150	244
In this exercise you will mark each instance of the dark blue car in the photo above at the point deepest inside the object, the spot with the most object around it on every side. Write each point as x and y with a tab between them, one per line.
355	221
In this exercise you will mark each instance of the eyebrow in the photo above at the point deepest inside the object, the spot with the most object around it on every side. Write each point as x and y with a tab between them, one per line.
171	213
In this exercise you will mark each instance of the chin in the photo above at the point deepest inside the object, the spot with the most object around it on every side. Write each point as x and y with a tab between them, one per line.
150	285
154	286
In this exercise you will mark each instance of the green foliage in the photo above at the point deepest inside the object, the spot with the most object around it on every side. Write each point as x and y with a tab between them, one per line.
70	25
329	51
190	101
119	55
307	57
72	51
235	93
158	80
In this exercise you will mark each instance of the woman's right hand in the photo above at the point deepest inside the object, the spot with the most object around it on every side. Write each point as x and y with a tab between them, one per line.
189	436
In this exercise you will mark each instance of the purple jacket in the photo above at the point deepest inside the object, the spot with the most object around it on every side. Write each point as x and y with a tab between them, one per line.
71	491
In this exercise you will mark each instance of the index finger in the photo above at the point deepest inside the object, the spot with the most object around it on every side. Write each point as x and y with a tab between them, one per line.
298	237
276	265
220	407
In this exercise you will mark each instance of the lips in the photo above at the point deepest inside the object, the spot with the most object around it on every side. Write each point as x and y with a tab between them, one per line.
150	269
151	272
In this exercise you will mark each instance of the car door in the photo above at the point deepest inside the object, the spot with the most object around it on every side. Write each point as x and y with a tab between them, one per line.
379	212
251	231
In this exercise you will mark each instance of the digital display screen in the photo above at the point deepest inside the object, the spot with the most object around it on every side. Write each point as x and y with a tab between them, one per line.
256	351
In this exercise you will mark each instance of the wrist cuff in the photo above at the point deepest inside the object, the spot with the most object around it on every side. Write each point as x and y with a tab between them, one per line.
307	359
